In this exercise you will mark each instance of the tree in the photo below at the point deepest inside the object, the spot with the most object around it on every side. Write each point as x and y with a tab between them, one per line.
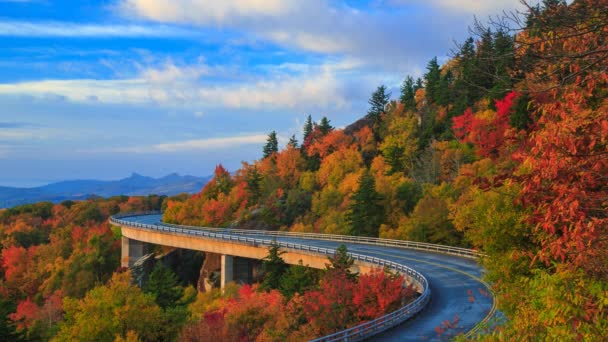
293	142
324	126
272	145
298	279
341	262
408	93
254	183
274	267
308	128
432	78
163	284
377	102
365	211
110	311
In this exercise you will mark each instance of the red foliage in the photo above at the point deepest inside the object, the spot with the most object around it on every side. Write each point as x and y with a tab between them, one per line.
27	313
462	125
377	293
566	184
331	307
333	141
488	135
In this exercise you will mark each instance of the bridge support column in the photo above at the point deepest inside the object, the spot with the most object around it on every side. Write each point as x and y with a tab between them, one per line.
131	251
227	270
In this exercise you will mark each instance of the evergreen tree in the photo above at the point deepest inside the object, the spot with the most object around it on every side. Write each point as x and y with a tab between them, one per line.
419	84
254	183
365	211
407	93
342	262
324	126
293	142
308	127
274	267
163	284
298	279
378	102
272	145
432	78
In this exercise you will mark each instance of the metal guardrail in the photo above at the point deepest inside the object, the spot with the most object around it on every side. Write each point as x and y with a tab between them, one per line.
459	251
355	333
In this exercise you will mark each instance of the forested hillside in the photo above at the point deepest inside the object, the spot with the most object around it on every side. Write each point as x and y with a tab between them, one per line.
503	148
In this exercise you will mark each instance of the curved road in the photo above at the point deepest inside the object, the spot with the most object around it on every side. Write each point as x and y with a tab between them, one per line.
458	295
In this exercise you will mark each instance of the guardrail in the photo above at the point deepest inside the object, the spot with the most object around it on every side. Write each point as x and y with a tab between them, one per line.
459	251
355	333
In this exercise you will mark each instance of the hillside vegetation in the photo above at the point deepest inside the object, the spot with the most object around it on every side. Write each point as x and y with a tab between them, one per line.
503	149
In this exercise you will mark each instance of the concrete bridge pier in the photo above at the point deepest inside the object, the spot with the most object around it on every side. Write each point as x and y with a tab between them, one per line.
132	250
227	274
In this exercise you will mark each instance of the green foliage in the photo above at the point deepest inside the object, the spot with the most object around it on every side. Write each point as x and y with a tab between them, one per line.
408	93
254	183
378	102
366	211
274	267
432	78
298	279
324	126
342	262
293	142
163	284
409	193
272	145
308	127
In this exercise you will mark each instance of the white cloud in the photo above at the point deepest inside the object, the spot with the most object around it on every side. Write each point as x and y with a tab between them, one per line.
186	87
206	11
477	7
193	145
66	29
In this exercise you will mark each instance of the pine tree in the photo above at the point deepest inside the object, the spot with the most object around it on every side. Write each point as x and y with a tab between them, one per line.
378	102
272	145
307	130
163	284
293	142
419	84
342	262
274	267
408	93
254	183
297	279
365	211
432	78
324	126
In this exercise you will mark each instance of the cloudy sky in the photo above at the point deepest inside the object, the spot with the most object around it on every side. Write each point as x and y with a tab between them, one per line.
100	89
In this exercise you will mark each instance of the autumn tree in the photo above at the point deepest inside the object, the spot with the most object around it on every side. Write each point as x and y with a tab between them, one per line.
116	309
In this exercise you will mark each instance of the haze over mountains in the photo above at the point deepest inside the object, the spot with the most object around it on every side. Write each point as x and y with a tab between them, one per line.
133	185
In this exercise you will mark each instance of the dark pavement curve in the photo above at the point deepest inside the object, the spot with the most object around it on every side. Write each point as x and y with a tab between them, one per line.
458	297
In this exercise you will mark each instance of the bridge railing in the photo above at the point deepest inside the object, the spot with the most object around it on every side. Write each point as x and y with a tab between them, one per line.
463	252
355	333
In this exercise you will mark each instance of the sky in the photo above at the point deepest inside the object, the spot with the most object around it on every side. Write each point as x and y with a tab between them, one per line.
101	89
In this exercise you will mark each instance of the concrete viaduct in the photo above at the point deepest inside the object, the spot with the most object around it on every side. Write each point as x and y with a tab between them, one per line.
448	279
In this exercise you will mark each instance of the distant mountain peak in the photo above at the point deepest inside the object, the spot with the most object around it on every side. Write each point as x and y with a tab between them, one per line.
134	185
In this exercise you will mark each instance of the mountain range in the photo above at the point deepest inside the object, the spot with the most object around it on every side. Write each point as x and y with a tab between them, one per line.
134	185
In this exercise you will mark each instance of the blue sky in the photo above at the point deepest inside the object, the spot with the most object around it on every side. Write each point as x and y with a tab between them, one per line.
100	89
